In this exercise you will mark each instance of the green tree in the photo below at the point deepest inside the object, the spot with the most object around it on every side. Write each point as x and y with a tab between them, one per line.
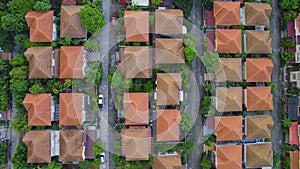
18	61
37	88
97	148
20	7
96	162
93	74
288	42
190	50
12	22
42	6
19	159
185	5
286	123
5	41
289	15
287	55
66	41
211	61
289	4
53	165
156	3
54	86
206	163
91	18
286	162
85	164
19	72
206	104
186	122
92	45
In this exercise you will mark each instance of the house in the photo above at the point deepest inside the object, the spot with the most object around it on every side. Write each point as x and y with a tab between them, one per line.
168	51
136	25
209	18
168	21
168	88
293	107
41	26
295	160
230	70
295	77
39	109
228	128
136	107
89	143
71	62
291	28
40	62
167	125
229	99
258	42
229	157
167	3
69	2
259	126
38	144
259	155
168	161
71	147
257	13
258	98
228	41
71	109
210	37
227	13
258	69
294	133
137	62
70	22
136	143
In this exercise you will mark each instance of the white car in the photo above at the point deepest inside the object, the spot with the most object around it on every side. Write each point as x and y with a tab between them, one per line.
100	100
102	156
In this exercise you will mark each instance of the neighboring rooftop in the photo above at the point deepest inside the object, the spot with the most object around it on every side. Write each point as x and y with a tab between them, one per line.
38	107
70	22
229	99
168	87
168	51
257	13
167	3
231	70
293	108
136	107
71	146
259	69
227	13
295	160
259	126
229	41
40	62
136	25
137	62
136	144
69	2
167	125
70	106
38	144
294	133
90	141
71	62
228	128
258	42
168	21
259	98
41	26
259	155
229	157
166	161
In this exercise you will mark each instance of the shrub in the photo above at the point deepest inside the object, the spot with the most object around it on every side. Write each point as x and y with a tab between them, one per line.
206	163
91	18
185	5
286	56
156	3
288	42
97	148
13	23
42	6
186	122
91	45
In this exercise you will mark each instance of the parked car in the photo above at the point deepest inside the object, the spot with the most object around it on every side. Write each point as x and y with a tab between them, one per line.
102	156
100	100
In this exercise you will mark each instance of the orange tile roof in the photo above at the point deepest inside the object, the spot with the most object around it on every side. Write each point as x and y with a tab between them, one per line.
136	25
229	41
258	69
136	144
70	106
136	108
257	13
70	22
227	13
71	62
295	160
259	126
228	128
229	157
69	2
71	145
168	87
229	99
259	98
167	125
168	21
231	69
38	107
137	62
259	155
41	26
258	42
168	51
38	144
40	62
166	161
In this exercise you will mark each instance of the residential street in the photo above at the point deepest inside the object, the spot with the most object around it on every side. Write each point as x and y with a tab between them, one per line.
277	136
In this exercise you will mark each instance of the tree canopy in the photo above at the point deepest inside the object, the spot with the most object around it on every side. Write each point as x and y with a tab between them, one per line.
186	122
42	6
211	61
156	3
91	18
